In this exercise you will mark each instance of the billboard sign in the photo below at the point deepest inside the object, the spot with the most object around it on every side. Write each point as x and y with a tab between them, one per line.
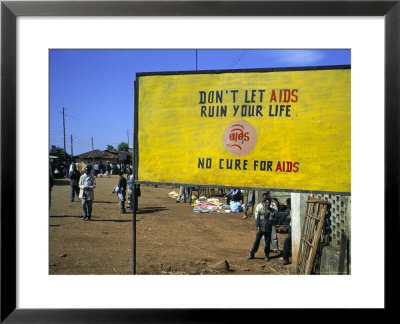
285	129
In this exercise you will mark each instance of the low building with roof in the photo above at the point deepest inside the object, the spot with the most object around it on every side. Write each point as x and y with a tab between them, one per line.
102	157
98	156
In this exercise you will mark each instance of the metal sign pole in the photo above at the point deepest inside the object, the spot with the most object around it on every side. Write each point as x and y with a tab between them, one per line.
133	202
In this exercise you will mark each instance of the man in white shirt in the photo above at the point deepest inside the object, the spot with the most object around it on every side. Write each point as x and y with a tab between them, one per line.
87	183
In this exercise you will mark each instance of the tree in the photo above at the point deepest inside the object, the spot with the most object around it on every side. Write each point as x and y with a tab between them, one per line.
60	153
110	147
123	147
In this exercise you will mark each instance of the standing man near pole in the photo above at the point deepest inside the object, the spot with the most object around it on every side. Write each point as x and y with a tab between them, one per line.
266	217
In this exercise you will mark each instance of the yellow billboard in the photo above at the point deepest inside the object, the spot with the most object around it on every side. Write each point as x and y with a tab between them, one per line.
284	129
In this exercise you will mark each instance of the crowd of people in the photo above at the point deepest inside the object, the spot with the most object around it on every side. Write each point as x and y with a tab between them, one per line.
108	169
63	169
268	213
82	186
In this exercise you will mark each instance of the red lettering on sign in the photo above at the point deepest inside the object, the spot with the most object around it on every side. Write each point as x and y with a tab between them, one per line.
285	95
238	135
273	96
287	166
240	138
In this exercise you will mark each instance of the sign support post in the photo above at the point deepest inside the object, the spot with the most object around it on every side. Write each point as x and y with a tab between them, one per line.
135	176
134	200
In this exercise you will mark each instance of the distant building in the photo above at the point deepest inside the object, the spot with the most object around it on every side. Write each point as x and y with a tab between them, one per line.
98	156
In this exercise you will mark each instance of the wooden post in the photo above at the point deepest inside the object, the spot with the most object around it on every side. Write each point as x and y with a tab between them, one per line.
311	233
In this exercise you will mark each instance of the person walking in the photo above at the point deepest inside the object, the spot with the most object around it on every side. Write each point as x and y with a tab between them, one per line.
87	184
265	218
96	169
74	175
71	167
108	169
129	181
122	191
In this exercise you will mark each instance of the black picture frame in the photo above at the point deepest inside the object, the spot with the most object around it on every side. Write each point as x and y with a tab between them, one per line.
10	10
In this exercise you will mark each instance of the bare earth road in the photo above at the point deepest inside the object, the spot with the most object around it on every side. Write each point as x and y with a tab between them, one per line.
170	237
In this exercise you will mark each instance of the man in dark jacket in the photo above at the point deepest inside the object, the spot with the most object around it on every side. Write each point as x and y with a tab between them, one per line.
122	191
265	218
74	176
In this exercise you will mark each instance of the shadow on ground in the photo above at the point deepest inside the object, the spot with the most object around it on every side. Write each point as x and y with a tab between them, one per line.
148	210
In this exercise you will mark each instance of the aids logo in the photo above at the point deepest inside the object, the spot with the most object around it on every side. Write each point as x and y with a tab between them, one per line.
240	137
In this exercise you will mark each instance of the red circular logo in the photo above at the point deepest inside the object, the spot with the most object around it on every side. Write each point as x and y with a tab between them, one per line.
240	138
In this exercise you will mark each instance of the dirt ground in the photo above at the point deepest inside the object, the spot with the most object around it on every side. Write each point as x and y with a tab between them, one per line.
170	237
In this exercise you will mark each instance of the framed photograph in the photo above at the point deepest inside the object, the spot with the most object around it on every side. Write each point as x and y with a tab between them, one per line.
30	28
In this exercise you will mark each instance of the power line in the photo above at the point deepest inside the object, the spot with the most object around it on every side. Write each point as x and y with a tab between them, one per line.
238	58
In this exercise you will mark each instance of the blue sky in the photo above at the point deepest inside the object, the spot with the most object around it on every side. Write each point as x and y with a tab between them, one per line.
96	86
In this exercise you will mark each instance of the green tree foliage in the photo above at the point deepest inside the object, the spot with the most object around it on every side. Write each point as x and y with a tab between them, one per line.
60	153
110	147
123	147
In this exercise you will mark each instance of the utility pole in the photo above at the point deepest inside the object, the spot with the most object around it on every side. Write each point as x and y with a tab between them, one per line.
128	147
64	132
93	151
72	148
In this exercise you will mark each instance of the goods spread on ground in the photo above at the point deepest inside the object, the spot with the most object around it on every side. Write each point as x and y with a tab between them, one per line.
206	205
